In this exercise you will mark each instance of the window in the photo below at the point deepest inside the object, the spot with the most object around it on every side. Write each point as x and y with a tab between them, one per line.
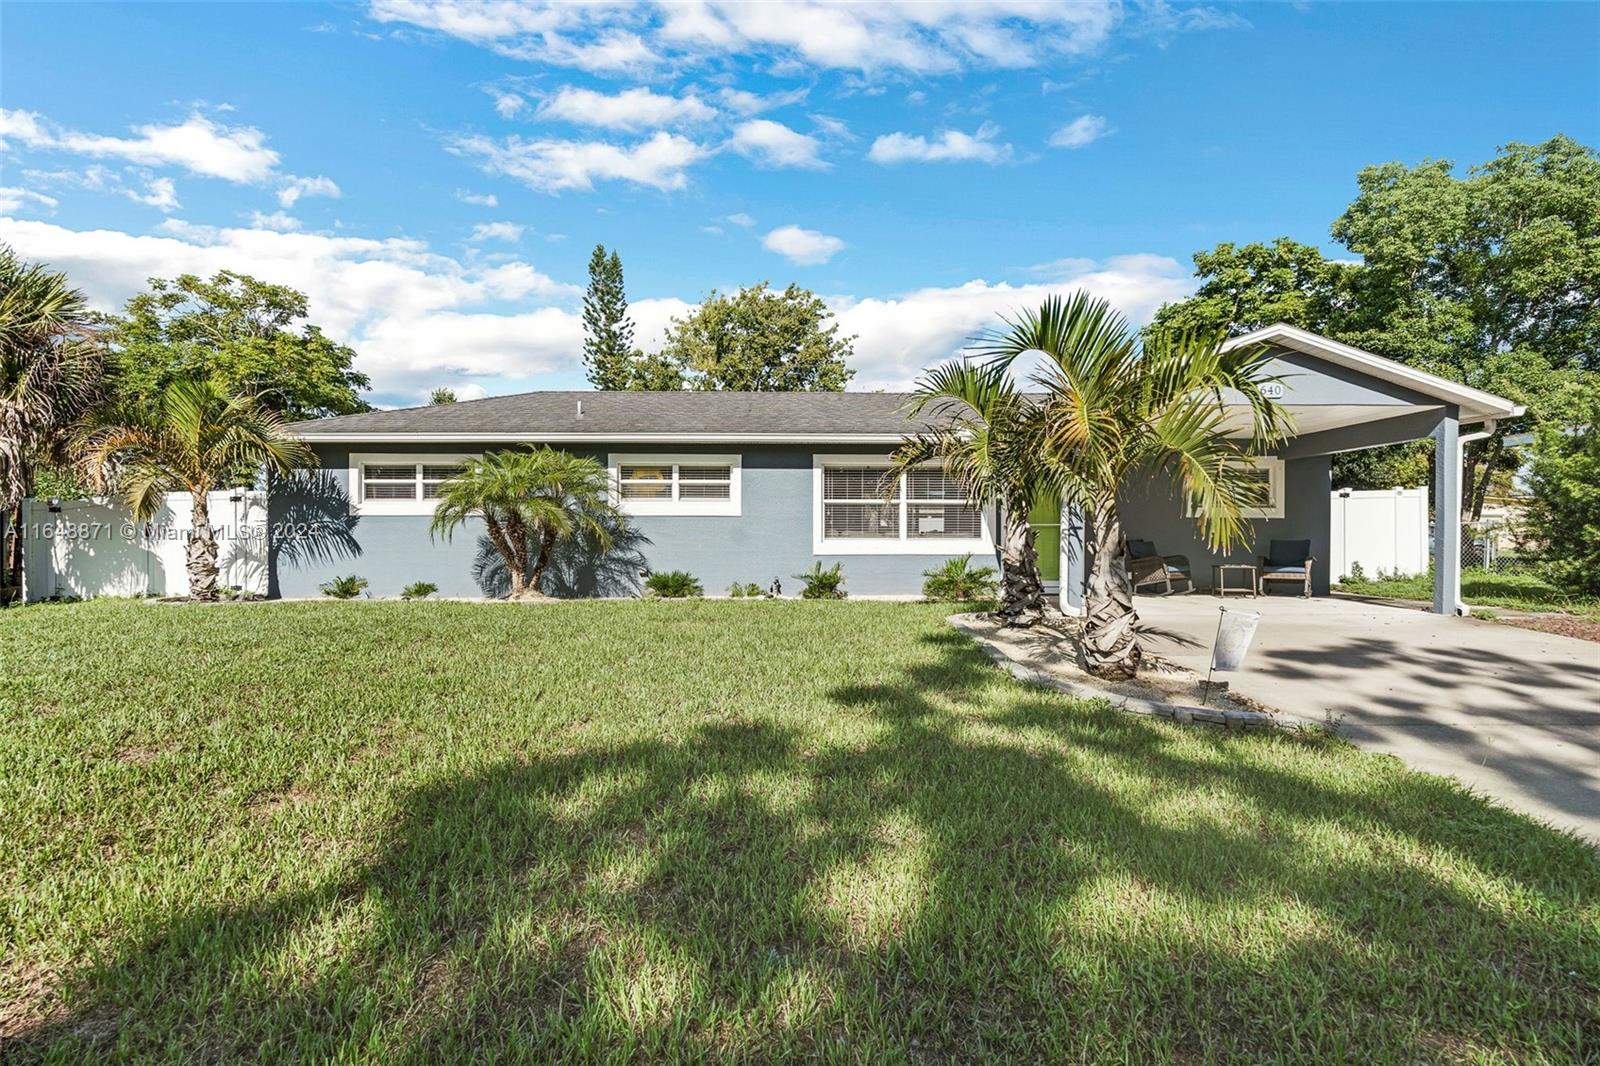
860	509
677	484
1263	488
400	484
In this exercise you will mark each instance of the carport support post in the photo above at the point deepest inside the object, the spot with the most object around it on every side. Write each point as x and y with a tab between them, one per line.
1447	513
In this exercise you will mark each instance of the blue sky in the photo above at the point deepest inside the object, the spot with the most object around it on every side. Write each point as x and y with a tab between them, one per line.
434	175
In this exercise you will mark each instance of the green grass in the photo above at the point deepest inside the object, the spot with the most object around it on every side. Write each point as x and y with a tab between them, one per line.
413	832
1520	592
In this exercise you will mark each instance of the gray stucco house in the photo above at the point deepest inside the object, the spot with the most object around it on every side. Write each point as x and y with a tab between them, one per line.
749	487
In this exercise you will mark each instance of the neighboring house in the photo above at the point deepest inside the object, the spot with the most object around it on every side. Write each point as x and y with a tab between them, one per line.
758	486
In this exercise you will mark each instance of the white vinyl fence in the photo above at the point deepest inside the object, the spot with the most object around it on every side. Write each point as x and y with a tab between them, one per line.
1381	530
88	548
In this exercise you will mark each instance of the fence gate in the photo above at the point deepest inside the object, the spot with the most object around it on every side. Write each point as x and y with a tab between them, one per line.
1379	530
88	548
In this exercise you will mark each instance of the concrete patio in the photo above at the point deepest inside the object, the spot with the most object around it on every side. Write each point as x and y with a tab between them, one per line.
1511	712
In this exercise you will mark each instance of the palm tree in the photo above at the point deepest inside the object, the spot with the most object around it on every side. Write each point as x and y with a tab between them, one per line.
990	445
529	499
194	437
50	371
1114	411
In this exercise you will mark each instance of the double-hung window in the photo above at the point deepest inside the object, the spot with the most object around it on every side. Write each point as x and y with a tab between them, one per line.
860	508
1263	487
677	484
401	484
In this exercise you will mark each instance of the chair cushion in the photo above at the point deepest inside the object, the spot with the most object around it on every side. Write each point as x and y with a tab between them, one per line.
1289	553
1141	549
1273	568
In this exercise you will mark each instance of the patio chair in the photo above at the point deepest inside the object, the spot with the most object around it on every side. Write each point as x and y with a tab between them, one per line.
1146	566
1287	560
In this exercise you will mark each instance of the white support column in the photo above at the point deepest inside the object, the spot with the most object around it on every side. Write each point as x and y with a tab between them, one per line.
1447	513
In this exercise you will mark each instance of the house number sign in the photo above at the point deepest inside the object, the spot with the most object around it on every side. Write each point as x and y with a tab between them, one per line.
1272	390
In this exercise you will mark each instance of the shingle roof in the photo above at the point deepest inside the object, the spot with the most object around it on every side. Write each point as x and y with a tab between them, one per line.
625	414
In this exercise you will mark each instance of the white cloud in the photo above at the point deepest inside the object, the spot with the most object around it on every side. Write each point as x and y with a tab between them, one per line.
631	109
1080	132
417	318
297	187
806	247
950	146
487	199
739	218
12	200
160	193
749	103
898	337
553	165
922	38
411	315
507	105
279	221
199	145
497	231
772	144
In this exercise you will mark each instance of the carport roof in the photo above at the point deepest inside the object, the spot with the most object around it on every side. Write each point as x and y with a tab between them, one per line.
1475	405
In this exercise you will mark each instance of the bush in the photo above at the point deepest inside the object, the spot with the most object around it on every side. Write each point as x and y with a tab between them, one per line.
345	588
1565	514
747	589
418	590
822	584
673	585
959	581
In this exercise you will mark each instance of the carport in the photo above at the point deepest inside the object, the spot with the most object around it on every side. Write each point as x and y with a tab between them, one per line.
1339	398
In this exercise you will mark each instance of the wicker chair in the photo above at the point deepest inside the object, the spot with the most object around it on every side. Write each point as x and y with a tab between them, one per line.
1146	566
1288	560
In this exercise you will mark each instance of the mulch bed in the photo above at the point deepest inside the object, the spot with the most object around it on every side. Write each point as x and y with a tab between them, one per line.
1565	625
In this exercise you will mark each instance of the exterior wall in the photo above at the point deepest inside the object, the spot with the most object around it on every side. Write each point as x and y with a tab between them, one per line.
1156	512
771	538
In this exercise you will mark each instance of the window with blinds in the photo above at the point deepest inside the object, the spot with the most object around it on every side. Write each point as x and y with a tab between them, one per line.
856	505
405	481
674	481
1261	487
677	484
867	503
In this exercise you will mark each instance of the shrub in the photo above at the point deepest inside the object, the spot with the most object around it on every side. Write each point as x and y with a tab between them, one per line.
958	580
345	588
822	584
745	589
673	585
418	590
1565	514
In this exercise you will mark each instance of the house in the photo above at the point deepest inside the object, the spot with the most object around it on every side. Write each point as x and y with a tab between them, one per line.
752	487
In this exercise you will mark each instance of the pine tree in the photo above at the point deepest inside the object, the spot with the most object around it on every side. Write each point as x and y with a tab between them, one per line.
607	329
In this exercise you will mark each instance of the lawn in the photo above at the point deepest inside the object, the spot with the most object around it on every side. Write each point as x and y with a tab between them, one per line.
738	830
1518	592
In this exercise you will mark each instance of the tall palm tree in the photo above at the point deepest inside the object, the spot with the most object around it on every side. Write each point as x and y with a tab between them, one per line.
195	437
529	498
989	444
51	363
1115	411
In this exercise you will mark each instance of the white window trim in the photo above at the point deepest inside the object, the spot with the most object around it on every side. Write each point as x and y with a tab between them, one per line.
419	506
906	544
1275	484
731	507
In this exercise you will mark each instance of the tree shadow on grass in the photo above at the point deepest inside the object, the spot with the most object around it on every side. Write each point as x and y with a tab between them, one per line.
975	870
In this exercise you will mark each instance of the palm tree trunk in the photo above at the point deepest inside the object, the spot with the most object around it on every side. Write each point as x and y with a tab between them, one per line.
202	550
14	564
1110	641
1022	593
513	560
547	541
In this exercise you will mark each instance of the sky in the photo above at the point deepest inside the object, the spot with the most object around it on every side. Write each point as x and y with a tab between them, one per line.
434	176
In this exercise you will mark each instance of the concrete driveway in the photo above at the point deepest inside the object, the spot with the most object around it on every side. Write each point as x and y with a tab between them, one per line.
1512	712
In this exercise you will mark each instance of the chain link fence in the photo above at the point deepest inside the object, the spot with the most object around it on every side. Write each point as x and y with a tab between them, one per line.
1496	547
